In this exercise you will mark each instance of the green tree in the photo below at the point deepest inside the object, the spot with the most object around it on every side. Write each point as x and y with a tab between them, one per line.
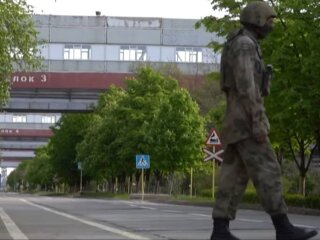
211	100
296	92
67	133
39	170
126	127
18	42
99	148
17	178
293	50
176	134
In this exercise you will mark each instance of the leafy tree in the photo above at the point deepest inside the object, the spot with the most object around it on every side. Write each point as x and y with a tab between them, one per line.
133	116
177	134
293	50
67	133
88	151
126	122
98	150
39	170
209	97
12	180
18	42
296	95
161	118
17	178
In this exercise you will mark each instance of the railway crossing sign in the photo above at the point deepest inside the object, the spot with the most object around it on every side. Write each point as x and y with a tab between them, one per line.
213	155
213	139
142	161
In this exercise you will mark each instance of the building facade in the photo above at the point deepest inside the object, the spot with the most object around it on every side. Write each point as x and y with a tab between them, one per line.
82	56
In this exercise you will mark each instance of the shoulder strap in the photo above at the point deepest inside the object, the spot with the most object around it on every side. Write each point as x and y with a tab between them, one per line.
235	33
258	49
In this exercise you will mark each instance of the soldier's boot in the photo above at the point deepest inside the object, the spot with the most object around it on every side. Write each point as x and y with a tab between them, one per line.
221	230
286	231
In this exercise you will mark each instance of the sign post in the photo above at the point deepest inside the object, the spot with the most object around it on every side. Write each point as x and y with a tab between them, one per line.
191	181
80	168
142	162
213	140
213	171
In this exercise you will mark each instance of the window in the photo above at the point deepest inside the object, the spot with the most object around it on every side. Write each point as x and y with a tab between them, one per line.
48	119
208	56
188	54
77	52
133	53
19	119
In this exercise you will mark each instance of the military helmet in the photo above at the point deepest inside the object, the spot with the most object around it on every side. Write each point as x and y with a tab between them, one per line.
257	13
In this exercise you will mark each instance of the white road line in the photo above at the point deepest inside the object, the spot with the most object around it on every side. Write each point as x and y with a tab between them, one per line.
305	226
142	207
12	228
261	221
200	215
149	208
171	211
90	223
250	220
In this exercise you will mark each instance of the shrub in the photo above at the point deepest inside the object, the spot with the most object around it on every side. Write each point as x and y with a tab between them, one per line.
250	196
205	192
293	200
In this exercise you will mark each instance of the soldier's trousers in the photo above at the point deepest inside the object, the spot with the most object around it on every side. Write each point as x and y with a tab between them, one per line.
246	160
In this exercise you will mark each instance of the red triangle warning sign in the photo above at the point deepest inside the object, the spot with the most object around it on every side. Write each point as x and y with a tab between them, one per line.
213	139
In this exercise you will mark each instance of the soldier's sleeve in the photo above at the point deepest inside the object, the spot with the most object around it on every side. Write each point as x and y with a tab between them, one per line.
244	70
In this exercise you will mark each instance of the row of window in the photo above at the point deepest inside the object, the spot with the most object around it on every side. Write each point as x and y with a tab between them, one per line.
132	53
79	52
23	119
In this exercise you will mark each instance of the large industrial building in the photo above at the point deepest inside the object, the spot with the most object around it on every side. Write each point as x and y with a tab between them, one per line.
82	56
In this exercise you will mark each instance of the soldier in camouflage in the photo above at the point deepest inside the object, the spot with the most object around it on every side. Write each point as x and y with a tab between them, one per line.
248	154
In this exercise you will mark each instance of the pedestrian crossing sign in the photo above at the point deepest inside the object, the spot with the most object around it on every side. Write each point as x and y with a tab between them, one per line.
142	161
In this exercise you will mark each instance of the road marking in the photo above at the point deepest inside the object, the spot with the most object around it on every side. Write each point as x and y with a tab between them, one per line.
171	211
199	215
142	207
12	228
304	226
90	223
149	208
261	221
250	220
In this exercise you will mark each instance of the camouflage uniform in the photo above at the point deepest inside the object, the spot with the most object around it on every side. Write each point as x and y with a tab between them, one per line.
248	153
245	82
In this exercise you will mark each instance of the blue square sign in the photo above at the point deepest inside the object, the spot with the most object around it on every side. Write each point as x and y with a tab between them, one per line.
142	161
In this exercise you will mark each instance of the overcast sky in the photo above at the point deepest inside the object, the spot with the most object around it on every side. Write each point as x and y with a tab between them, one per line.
194	9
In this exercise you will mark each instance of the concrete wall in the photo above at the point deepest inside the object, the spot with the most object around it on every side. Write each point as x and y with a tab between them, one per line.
105	35
112	32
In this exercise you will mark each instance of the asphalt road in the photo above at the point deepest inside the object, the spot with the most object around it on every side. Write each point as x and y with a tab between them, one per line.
29	217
